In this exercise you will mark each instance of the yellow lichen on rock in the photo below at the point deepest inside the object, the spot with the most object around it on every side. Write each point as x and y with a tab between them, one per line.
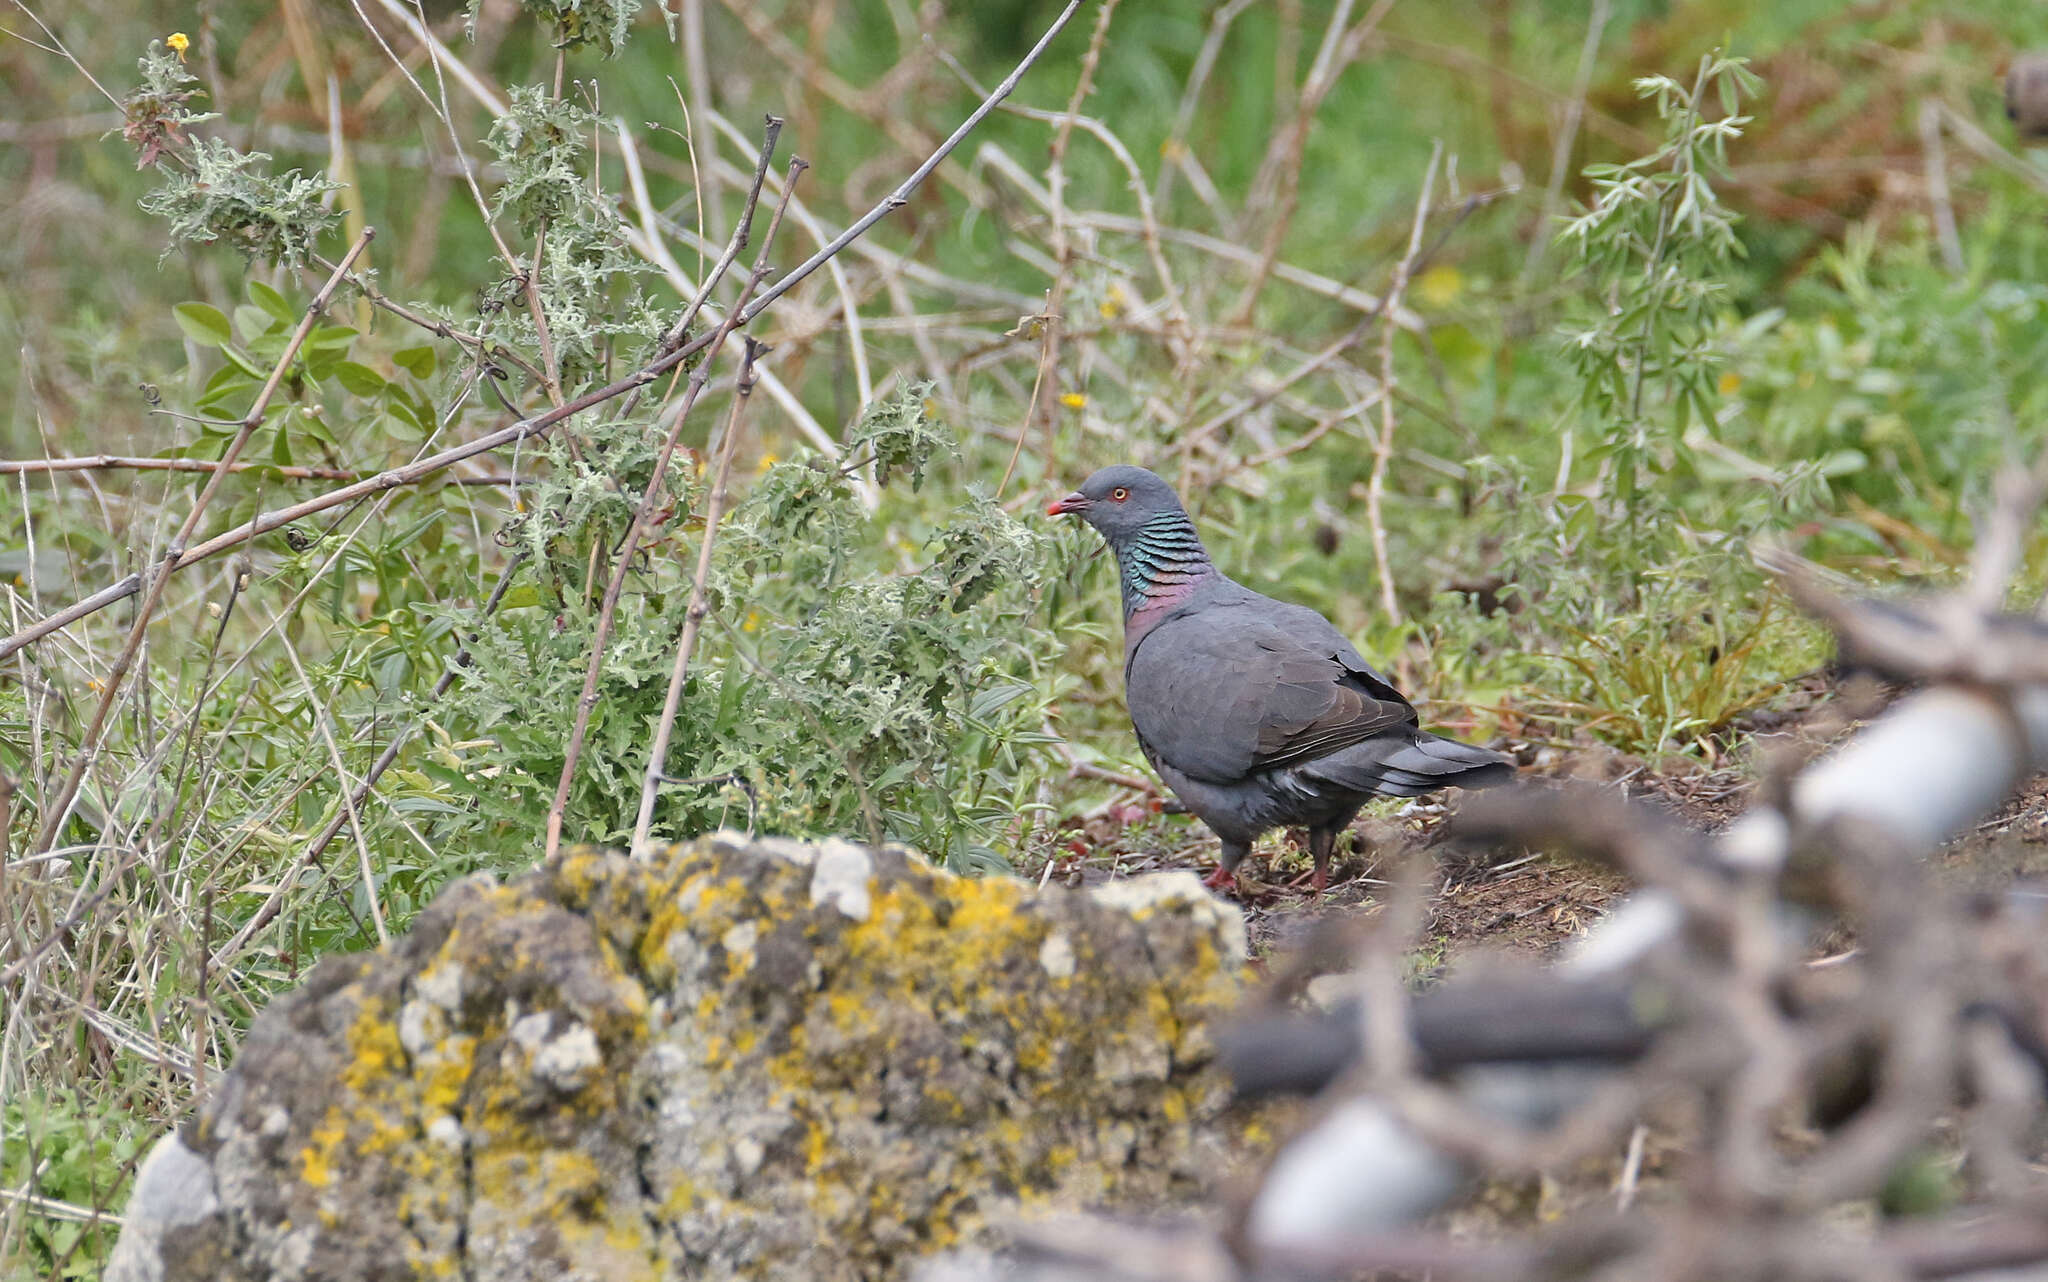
735	1060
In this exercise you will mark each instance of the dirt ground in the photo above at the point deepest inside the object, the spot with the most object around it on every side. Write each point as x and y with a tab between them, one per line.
1489	903
1511	901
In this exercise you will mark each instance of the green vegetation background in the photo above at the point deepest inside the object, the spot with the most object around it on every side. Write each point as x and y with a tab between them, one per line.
1583	446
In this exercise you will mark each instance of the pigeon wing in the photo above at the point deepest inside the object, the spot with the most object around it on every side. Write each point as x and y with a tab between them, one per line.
1225	693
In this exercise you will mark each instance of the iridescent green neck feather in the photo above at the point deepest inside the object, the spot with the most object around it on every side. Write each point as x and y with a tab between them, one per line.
1162	562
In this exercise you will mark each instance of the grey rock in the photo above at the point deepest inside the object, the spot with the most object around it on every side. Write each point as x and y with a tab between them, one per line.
730	1061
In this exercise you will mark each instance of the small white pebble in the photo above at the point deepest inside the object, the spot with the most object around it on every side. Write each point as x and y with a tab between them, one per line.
840	878
442	985
445	1131
747	1155
420	1025
1056	954
740	939
567	1062
531	1030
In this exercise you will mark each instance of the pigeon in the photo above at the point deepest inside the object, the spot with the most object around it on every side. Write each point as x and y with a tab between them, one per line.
1257	714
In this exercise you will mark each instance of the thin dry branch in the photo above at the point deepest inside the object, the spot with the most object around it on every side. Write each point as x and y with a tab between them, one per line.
586	703
1062	244
119	462
310	857
1383	445
693	617
901	196
59	810
1334	350
1567	137
1281	167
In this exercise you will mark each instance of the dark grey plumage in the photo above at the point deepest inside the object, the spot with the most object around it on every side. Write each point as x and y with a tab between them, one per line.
2026	95
1258	714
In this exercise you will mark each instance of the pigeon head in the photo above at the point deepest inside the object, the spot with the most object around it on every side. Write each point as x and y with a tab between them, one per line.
1120	502
1160	558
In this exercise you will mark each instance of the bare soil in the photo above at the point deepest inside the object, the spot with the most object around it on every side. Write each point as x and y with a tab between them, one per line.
1511	901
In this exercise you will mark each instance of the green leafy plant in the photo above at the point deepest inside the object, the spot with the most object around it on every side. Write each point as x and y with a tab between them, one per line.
1654	245
835	696
227	197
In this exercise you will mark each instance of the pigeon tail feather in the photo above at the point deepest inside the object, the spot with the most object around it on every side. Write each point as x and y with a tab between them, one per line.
1410	768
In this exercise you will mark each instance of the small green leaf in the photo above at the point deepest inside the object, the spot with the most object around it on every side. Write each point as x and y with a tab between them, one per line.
322	362
359	379
270	301
253	320
314	426
416	361
226	382
401	425
336	337
204	324
244	364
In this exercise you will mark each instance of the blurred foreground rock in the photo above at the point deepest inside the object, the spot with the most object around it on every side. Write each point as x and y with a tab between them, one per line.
741	1060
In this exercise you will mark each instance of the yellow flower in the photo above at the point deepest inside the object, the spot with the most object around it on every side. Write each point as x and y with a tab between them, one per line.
1074	400
1113	302
752	621
1731	382
177	42
767	461
1440	284
1173	149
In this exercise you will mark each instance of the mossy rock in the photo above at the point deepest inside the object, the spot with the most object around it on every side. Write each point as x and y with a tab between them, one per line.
740	1059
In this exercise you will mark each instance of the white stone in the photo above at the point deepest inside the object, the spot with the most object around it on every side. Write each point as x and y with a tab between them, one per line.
840	877
446	1131
748	1154
567	1062
1056	954
531	1030
442	985
173	1188
420	1026
739	940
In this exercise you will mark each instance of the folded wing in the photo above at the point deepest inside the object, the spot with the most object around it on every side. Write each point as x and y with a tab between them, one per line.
1227	692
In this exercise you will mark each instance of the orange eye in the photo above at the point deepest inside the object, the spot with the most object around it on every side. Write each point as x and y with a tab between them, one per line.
1119	494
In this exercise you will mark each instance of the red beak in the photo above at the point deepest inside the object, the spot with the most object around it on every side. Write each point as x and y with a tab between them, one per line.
1075	502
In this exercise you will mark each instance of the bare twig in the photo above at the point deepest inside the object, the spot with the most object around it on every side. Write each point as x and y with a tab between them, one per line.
901	195
310	857
1383	446
112	462
1281	168
587	702
1175	145
1334	350
693	617
1934	163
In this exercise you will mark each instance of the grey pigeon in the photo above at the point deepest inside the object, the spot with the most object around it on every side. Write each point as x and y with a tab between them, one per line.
1257	713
